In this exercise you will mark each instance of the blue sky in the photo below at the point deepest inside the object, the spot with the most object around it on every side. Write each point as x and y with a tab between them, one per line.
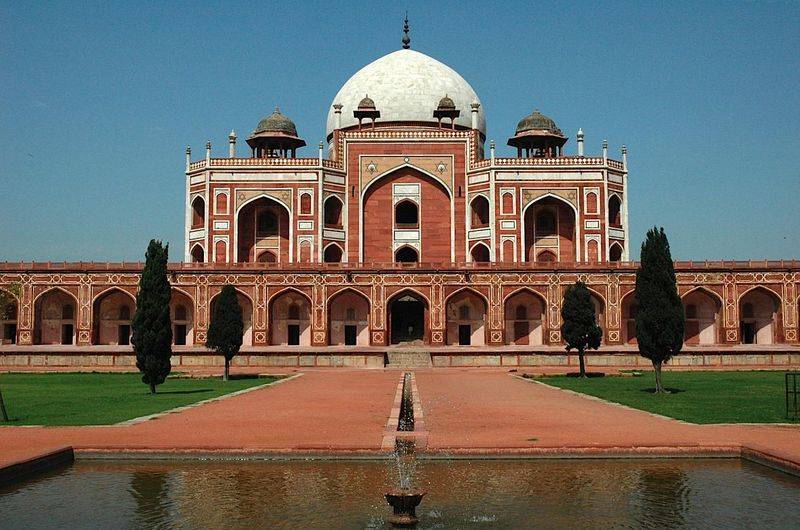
99	100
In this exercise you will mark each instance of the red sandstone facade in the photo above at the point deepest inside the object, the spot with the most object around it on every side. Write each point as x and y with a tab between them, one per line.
404	232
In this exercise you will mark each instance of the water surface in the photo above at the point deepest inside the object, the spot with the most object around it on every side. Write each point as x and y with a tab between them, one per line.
461	494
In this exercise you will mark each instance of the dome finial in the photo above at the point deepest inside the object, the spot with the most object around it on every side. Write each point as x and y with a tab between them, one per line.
406	38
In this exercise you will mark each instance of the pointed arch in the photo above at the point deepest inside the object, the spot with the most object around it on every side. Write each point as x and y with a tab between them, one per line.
479	253
247	305
198	253
760	310
111	316
332	253
465	313
348	318
182	323
629	307
406	214
52	323
198	212
408	317
615	252
614	211
385	174
284	209
406	254
479	209
290	317
525	317
9	313
332	212
702	310
532	233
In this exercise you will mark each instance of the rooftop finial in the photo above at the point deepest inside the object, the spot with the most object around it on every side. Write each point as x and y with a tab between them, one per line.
406	38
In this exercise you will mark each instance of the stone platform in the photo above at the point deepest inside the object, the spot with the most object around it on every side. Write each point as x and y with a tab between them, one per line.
620	357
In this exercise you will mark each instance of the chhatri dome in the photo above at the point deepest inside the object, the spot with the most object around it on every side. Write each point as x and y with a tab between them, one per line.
406	85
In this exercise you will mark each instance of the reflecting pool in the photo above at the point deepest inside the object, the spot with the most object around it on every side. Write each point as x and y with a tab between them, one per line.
461	494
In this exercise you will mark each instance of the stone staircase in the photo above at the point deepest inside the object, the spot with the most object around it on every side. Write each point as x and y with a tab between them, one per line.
405	359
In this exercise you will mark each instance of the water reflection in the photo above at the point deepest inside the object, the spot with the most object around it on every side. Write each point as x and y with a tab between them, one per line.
461	494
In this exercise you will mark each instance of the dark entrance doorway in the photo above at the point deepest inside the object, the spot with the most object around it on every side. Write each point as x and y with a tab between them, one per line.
748	333
350	333
124	333
66	333
464	334
180	334
407	319
293	334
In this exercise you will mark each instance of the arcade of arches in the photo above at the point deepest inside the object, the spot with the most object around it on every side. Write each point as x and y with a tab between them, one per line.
417	305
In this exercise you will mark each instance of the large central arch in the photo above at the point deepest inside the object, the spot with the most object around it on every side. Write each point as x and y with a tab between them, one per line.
263	225
550	228
435	217
408	317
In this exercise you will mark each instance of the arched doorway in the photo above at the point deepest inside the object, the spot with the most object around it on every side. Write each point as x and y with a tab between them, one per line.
599	312
524	319
549	224
433	216
267	256
263	225
615	252
702	316
630	307
55	317
614	216
198	255
290	319
247	316
111	317
408	317
8	318
758	310
480	253
332	254
480	212
182	315
348	319
198	213
332	212
466	319
406	255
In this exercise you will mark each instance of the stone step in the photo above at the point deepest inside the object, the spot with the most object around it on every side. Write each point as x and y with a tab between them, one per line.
409	359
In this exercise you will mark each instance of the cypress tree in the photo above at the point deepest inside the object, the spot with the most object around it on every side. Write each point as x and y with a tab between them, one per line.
579	328
226	328
152	328
660	319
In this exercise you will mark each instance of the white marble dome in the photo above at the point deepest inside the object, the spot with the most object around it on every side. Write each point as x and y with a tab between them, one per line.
406	85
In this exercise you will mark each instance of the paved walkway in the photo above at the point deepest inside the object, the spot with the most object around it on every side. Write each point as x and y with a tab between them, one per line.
465	410
318	411
485	410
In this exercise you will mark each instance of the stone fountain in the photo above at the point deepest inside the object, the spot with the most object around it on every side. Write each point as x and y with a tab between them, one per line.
404	499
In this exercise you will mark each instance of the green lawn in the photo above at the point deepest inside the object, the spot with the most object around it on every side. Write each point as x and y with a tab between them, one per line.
697	397
101	399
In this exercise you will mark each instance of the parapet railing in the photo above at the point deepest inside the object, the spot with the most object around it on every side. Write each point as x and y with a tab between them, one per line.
389	266
263	162
562	161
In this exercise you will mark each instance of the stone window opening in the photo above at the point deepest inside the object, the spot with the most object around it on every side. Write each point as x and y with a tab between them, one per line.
266	223
332	212
614	206
305	204
198	213
406	255
124	312
521	313
480	212
480	253
406	215
197	254
332	254
67	312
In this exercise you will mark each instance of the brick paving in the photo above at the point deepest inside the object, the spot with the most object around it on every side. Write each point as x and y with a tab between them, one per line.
465	410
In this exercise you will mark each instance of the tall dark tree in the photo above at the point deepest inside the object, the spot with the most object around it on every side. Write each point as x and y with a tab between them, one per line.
579	328
660	319
152	328
226	328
